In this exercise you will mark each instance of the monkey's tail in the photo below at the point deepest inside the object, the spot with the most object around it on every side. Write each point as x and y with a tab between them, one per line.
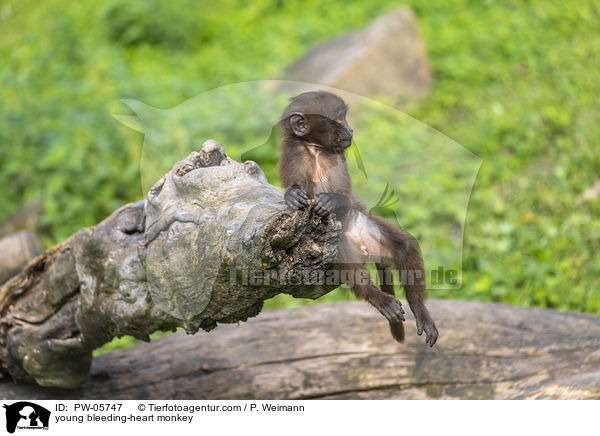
397	331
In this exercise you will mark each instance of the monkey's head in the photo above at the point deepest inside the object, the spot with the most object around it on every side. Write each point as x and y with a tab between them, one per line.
318	118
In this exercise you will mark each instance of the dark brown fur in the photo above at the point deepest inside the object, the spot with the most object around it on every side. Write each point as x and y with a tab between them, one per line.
315	137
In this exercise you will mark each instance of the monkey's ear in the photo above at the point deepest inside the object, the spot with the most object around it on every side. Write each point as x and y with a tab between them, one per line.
298	124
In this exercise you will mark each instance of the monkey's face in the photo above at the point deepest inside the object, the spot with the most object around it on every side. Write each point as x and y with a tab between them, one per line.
319	118
329	134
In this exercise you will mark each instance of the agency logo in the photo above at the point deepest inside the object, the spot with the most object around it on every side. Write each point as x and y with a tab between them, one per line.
26	415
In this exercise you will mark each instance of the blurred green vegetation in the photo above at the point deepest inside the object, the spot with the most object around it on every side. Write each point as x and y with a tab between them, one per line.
516	83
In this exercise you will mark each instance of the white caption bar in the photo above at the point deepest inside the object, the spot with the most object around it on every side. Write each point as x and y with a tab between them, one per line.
28	417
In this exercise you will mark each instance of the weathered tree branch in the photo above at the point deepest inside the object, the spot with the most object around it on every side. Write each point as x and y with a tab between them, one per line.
177	259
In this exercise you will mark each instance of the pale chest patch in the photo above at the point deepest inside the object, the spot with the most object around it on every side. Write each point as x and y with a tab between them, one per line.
320	173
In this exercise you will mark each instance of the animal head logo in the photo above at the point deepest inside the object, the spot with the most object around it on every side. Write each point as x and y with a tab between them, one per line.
26	415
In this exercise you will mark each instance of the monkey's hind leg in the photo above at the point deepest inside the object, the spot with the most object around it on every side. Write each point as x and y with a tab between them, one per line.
355	274
406	258
386	282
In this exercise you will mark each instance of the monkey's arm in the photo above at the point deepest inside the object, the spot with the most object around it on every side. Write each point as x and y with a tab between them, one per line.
294	179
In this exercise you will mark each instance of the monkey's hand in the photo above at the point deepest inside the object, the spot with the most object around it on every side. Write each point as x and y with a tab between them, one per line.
296	198
329	202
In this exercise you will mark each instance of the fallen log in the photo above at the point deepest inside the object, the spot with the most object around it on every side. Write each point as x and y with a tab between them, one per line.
343	351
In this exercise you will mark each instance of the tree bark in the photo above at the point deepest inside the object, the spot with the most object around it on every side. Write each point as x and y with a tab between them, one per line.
344	351
180	258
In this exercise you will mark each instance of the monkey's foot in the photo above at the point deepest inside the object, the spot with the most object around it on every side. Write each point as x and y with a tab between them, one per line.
425	323
391	308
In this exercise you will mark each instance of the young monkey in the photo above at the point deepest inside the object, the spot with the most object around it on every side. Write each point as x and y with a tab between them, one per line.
313	166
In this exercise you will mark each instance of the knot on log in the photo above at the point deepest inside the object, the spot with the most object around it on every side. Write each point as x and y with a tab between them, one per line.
181	258
297	247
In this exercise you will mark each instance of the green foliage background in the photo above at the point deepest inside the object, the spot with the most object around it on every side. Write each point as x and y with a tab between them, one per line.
516	82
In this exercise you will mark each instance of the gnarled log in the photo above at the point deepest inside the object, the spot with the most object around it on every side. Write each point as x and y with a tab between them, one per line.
178	259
